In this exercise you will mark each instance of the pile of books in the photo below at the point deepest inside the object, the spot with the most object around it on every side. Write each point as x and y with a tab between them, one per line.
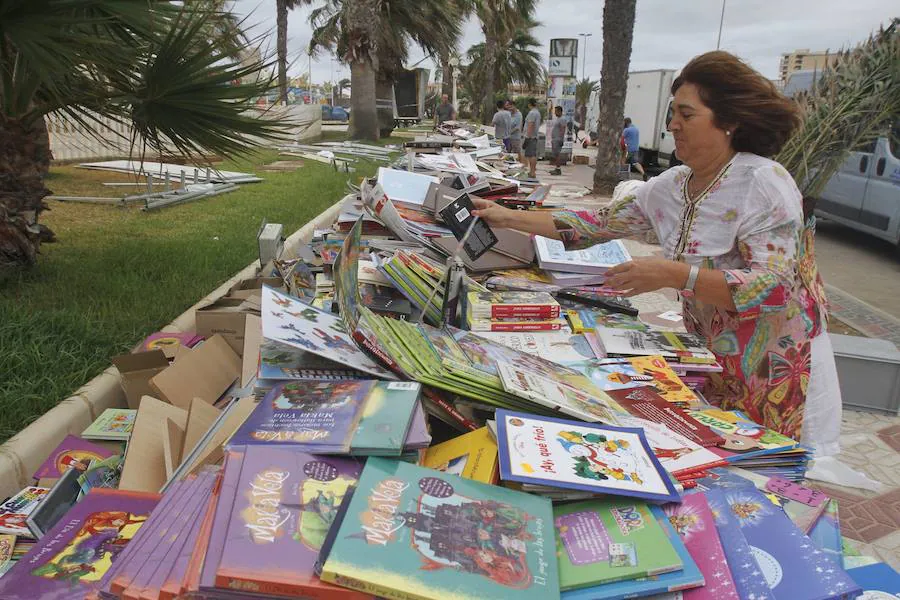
513	311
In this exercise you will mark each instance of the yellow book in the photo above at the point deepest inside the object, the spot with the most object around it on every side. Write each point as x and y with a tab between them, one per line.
472	455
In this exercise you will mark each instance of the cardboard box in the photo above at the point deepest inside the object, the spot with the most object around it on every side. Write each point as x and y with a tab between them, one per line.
145	464
226	317
250	287
206	372
136	370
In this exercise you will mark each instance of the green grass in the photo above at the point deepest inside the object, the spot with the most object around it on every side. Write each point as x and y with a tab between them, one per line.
119	274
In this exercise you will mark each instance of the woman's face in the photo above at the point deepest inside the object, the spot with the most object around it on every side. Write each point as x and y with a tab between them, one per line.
697	138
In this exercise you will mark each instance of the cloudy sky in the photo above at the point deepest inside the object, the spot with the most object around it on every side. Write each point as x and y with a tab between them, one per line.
667	33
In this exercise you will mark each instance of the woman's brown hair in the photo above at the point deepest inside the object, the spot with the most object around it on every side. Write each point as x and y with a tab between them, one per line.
742	99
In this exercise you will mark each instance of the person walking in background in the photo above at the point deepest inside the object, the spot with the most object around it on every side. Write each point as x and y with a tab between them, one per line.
632	145
445	111
557	137
532	126
515	130
501	123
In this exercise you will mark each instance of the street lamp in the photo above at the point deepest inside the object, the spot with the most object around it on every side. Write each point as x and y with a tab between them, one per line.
454	62
721	21
584	56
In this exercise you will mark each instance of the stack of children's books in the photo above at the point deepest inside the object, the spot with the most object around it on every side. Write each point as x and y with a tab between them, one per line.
513	311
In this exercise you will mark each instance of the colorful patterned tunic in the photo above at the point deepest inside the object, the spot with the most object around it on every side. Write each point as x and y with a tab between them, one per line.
748	224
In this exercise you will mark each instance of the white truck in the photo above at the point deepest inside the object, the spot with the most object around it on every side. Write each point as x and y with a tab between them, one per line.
648	103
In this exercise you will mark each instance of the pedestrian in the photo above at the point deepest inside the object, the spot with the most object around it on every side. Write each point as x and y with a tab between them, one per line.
557	137
632	146
529	147
501	123
515	130
445	111
736	241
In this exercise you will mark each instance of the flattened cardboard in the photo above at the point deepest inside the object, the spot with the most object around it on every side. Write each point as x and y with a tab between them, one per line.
214	452
226	318
249	287
200	418
252	343
513	249
145	469
136	370
173	443
206	373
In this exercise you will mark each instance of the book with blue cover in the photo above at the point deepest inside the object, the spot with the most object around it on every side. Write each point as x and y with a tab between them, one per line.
790	562
688	577
879	581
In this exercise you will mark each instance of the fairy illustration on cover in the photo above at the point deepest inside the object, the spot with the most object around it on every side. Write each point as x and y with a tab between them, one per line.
600	458
92	551
321	500
315	397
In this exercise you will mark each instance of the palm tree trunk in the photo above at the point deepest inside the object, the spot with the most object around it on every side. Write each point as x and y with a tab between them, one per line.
446	75
384	90
281	8
618	31
24	161
490	62
363	115
362	22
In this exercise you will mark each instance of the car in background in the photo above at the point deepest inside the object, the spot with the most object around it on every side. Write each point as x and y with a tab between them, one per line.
336	113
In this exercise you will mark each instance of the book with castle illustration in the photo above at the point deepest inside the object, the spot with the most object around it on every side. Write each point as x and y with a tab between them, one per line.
337	417
606	540
284	504
541	452
70	560
411	532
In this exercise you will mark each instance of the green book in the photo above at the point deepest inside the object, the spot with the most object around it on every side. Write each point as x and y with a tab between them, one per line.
601	541
112	424
415	533
386	418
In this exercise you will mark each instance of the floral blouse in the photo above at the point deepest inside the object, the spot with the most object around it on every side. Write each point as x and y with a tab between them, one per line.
749	224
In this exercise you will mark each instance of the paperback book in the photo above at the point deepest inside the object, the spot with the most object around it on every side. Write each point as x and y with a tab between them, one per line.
479	324
411	532
584	320
743	439
552	255
556	346
113	424
643	402
504	305
679	347
543	451
14	511
472	455
878	581
675	452
280	362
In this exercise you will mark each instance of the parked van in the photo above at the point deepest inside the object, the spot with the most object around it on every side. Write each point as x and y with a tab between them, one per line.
865	192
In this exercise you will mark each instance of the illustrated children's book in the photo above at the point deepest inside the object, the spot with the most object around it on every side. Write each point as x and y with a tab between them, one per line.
284	505
70	560
791	564
112	424
14	512
365	416
472	455
7	544
552	255
679	347
645	403
71	452
674	451
689	576
694	522
411	532
280	362
878	581
544	451
743	438
556	346
587	320
662	378
601	541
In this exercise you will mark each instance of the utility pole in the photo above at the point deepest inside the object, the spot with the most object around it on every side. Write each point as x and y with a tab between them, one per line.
721	21
585	36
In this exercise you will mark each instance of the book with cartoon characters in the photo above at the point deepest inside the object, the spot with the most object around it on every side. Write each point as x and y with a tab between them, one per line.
71	452
645	403
606	540
671	345
285	502
112	424
542	451
742	438
70	560
14	511
472	455
416	533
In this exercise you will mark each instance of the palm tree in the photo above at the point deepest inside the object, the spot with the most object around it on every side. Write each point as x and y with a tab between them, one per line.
583	91
282	7
518	61
151	65
341	86
618	31
499	21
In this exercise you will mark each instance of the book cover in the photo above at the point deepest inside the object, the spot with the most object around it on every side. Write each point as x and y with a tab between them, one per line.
201	573
7	544
742	437
556	346
472	455
791	564
71	452
280	362
284	505
169	341
681	347
552	254
675	452
418	436
515	324
664	379
825	532
748	578
643	402
112	424
569	454
602	541
14	511
878	581
411	532
675	581
70	560
495	305
386	418
318	417
694	522
585	320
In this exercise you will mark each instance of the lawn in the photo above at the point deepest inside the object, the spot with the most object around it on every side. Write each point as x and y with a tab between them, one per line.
118	274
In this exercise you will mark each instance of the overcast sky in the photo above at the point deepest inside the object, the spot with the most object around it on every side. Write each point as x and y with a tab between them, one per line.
667	33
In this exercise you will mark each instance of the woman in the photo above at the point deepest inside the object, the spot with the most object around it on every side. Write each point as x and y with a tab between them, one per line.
732	230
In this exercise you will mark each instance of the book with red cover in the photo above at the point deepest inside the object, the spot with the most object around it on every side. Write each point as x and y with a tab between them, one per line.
645	403
515	324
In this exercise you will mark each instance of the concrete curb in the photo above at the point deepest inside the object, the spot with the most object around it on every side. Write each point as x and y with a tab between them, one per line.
22	454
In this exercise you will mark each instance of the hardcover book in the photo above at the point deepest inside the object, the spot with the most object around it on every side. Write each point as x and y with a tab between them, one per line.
112	424
504	305
70	560
71	452
472	455
14	511
878	581
680	347
601	541
411	532
552	255
545	451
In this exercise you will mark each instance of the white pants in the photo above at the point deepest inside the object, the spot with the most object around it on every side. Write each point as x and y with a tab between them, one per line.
822	411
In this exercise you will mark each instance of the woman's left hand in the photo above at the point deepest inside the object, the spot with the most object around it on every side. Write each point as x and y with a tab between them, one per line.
647	274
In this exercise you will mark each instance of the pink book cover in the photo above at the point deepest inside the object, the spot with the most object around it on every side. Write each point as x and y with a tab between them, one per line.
71	452
694	522
160	340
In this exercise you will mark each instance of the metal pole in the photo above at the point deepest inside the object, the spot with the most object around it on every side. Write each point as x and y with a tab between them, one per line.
584	57
454	88
721	20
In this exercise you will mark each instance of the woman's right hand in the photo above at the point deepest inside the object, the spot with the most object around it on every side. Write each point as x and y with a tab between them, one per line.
493	213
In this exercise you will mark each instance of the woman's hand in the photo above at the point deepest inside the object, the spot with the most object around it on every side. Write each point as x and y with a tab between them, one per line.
647	274
494	214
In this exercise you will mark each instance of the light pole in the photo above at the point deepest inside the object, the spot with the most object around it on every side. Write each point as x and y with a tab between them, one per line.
721	20
454	63
584	56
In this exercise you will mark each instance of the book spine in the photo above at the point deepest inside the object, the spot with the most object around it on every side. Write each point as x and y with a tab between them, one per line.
263	587
449	409
380	354
369	588
505	327
507	311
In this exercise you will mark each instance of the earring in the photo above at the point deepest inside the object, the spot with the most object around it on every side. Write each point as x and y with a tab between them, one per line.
727	132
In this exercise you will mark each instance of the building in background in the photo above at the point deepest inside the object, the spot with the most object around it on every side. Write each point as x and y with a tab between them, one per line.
804	59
